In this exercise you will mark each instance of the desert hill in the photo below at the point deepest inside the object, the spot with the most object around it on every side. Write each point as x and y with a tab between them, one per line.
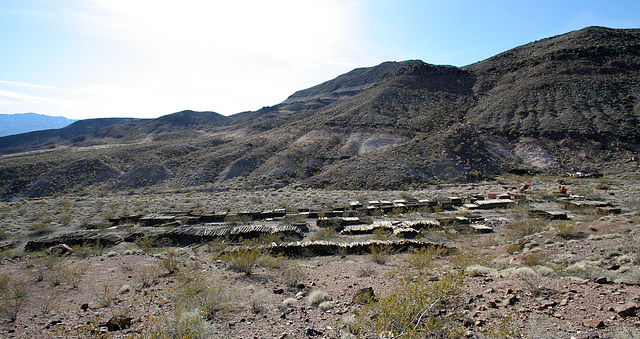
564	103
11	124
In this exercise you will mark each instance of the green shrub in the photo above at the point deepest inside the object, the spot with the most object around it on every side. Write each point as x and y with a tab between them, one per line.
567	230
243	259
212	298
533	259
171	260
381	234
418	308
423	258
187	324
327	233
514	247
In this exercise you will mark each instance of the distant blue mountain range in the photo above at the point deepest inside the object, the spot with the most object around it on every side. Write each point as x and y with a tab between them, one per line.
28	122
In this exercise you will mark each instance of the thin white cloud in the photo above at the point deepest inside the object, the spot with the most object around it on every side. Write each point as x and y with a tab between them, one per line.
226	56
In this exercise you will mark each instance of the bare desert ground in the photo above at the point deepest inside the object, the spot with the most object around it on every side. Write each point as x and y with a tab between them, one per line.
542	266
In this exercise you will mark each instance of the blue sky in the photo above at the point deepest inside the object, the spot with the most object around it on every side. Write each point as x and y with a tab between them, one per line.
133	58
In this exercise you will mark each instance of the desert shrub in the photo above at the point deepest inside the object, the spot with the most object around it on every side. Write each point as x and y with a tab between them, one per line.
545	270
87	250
365	271
188	324
13	296
395	212
234	219
380	253
567	230
258	302
212	298
216	247
531	279
316	297
105	295
418	308
583	269
502	329
272	262
326	233
626	334
522	224
243	259
533	259
381	234
513	247
631	245
423	258
171	260
292	276
73	273
40	228
149	275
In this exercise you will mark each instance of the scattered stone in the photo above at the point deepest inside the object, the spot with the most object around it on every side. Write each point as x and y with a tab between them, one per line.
627	310
124	289
593	323
547	304
509	300
278	291
60	249
112	254
313	332
84	307
602	280
118	323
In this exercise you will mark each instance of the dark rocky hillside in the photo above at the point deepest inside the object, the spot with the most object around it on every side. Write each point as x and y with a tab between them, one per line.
565	103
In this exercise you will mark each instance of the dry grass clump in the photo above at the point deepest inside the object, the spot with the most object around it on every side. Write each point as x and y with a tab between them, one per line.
479	271
289	302
317	297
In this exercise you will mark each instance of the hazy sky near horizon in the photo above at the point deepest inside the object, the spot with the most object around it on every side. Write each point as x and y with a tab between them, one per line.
137	58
